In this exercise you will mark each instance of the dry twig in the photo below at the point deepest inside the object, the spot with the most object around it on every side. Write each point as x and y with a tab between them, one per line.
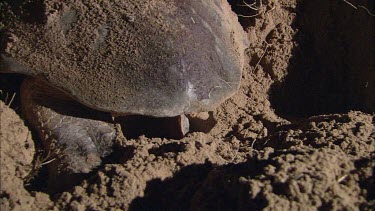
261	57
252	7
359	6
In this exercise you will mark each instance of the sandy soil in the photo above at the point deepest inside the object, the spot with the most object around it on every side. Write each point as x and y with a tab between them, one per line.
299	134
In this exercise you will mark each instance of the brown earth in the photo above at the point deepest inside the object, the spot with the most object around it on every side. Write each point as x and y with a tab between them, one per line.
299	134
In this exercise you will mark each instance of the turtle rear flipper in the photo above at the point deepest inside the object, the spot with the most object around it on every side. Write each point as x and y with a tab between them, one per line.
67	129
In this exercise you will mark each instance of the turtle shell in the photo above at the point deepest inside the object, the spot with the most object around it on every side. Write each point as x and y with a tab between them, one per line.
150	57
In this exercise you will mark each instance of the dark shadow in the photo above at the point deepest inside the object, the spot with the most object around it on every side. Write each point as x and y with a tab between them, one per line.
119	155
134	126
204	187
175	193
366	170
27	11
333	67
174	148
42	182
239	8
9	86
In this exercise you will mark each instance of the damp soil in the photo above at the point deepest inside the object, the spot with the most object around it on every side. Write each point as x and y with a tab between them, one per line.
298	134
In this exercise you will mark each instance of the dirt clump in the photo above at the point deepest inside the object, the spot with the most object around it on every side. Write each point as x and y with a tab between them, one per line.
16	162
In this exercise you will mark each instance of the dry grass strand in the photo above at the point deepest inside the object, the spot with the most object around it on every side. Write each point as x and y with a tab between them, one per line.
359	6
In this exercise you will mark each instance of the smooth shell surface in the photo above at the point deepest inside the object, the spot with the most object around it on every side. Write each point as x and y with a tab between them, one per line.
150	57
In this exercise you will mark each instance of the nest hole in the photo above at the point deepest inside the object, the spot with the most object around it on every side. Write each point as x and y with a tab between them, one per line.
332	69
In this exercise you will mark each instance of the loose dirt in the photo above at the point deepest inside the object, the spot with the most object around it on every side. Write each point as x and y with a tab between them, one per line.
299	134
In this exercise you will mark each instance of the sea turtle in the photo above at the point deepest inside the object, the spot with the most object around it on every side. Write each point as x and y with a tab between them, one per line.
159	58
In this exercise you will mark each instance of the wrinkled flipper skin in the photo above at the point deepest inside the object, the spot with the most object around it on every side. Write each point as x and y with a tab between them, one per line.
78	142
158	58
